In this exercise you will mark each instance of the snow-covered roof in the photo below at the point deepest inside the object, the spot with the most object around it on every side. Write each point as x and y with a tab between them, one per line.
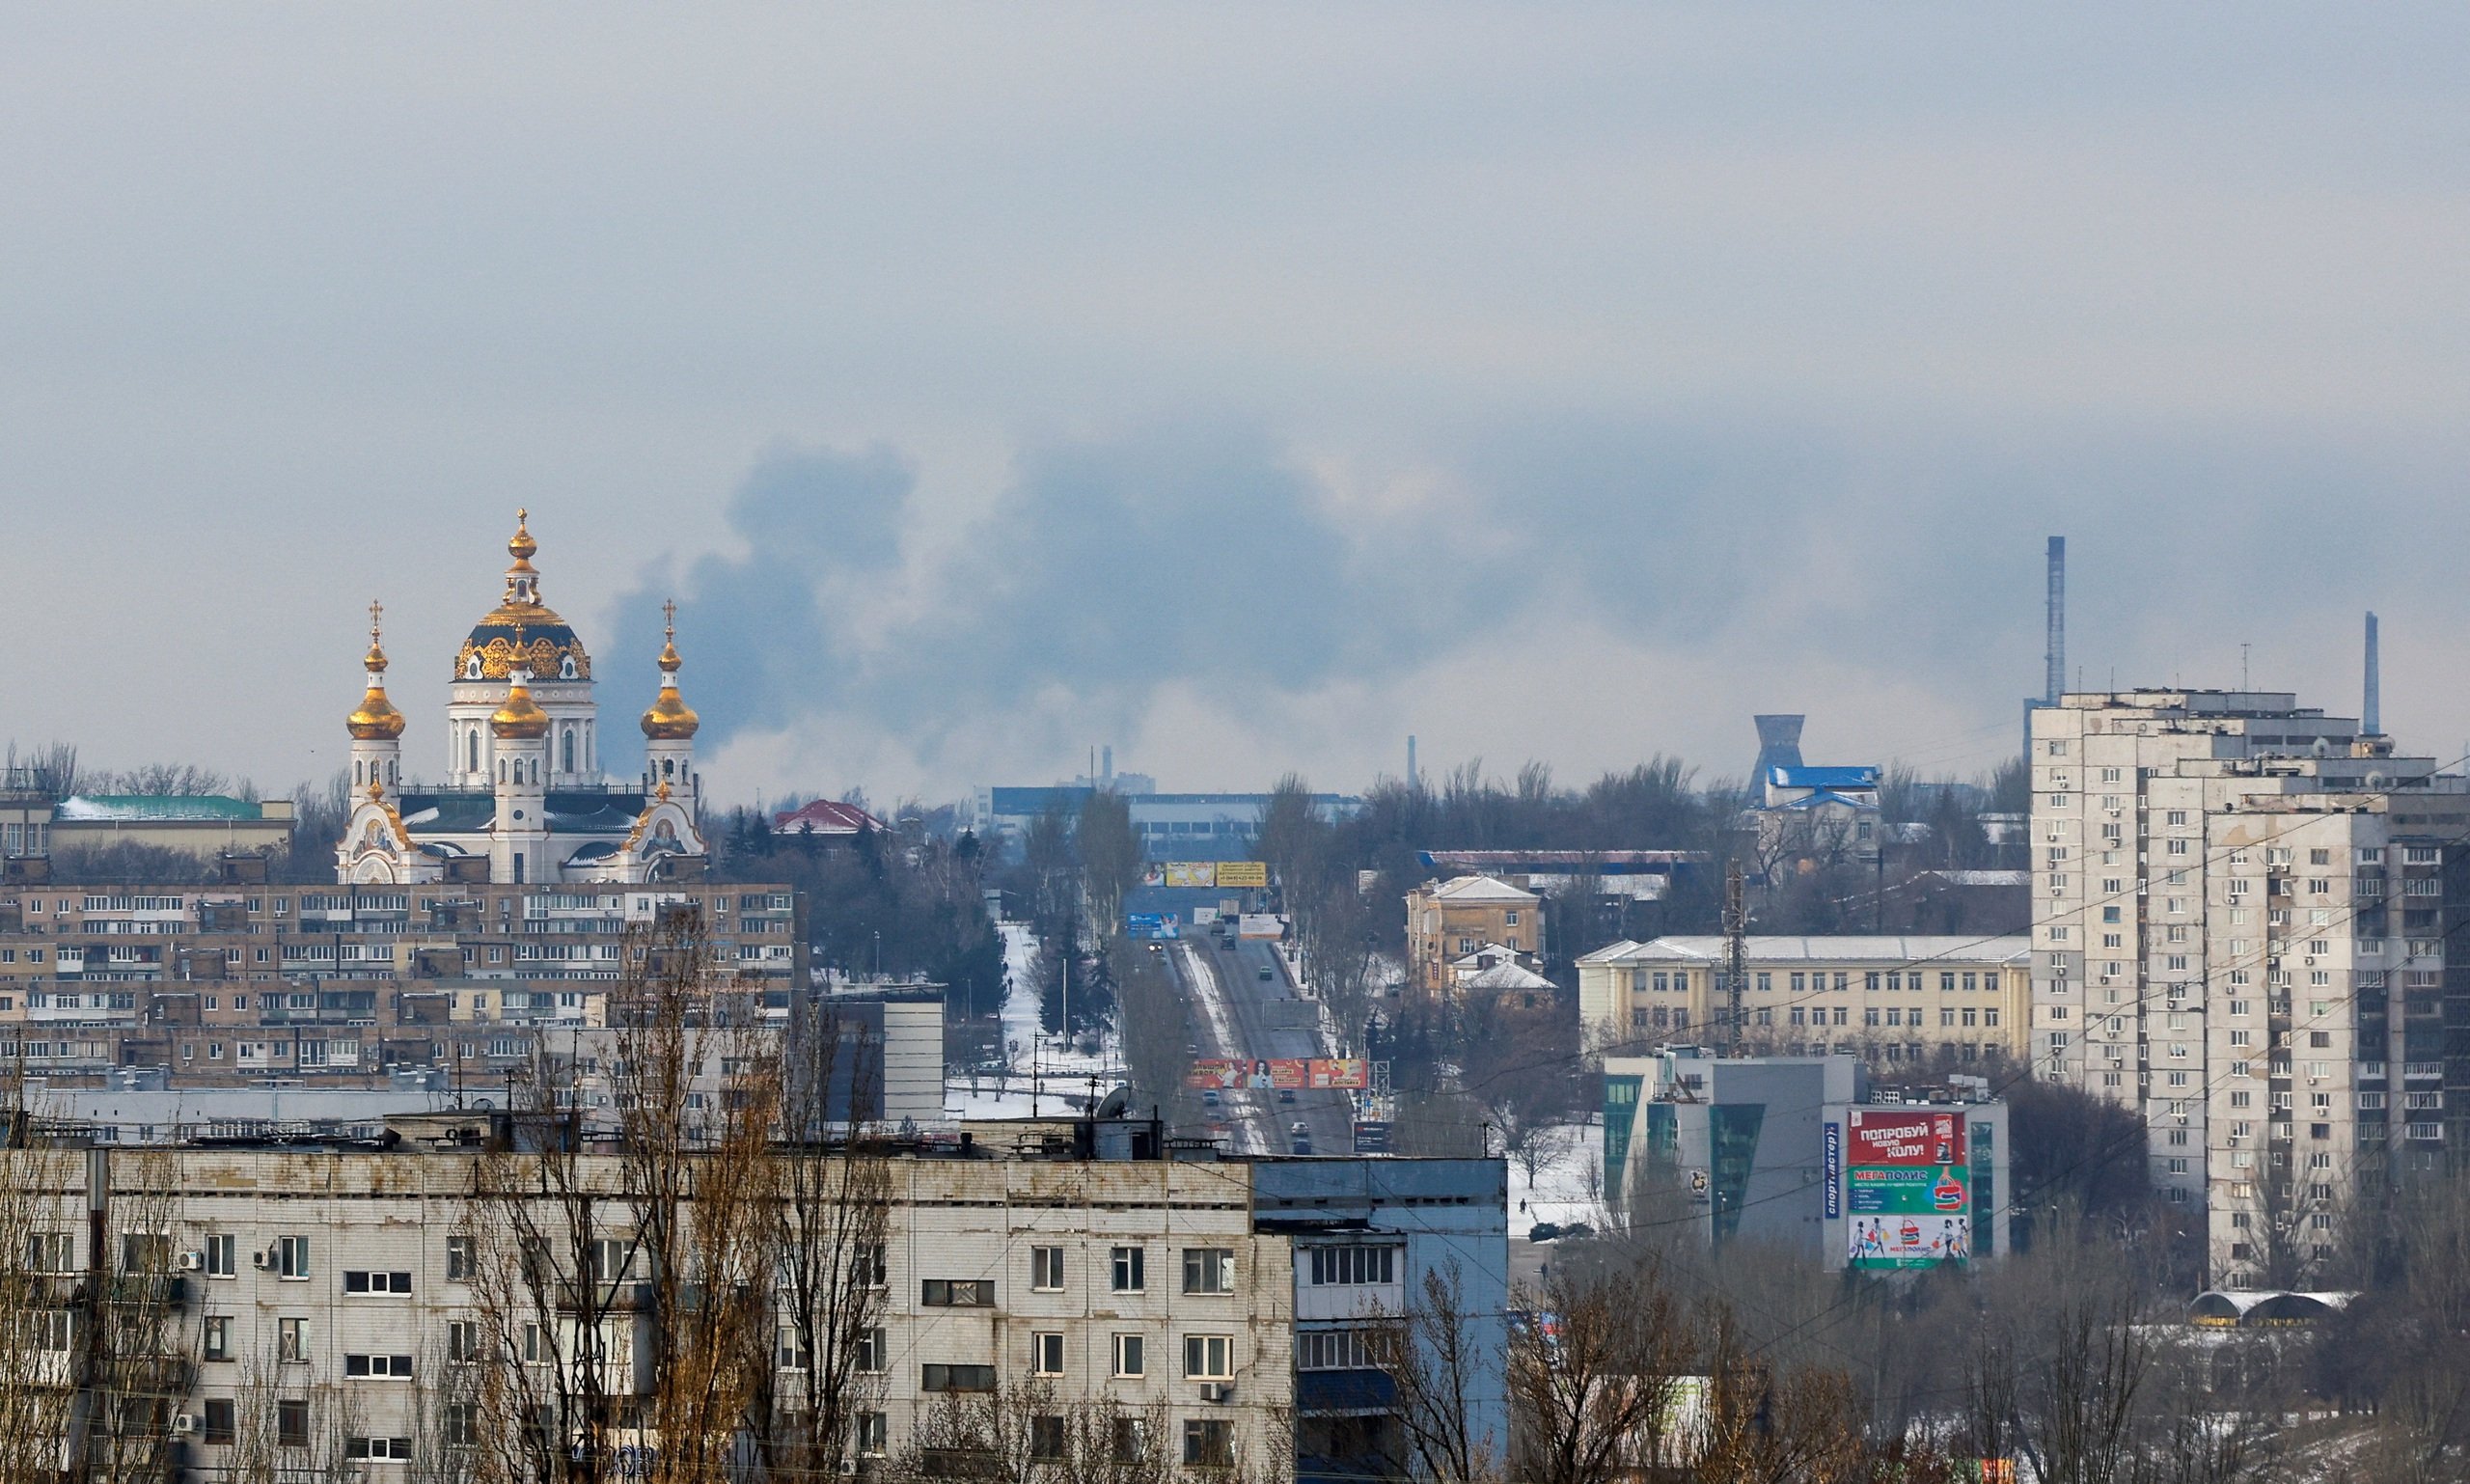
825	817
1493	952
1891	950
1506	975
1464	890
1977	878
1858	775
148	807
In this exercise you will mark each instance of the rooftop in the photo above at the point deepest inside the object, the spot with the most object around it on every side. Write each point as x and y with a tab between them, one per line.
1889	950
151	808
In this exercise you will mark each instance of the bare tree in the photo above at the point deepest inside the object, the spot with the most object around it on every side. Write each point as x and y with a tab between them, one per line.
1595	1397
1440	1366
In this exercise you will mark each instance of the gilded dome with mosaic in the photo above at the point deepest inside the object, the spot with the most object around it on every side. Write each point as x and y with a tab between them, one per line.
522	633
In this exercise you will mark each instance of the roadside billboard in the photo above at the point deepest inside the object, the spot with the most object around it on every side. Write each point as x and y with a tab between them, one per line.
1906	1188
1242	873
1229	1074
1156	926
1202	916
1260	925
1190	874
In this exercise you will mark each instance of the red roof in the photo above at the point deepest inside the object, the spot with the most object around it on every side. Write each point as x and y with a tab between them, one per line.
824	816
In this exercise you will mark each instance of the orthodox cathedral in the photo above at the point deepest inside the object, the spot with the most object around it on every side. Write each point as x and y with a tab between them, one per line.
524	797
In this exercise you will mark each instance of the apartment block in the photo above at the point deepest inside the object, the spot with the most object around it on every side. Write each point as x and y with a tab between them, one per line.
2241	913
1894	1001
245	982
1229	1303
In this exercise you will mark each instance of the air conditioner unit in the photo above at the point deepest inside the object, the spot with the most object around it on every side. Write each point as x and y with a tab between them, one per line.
184	1422
191	1262
1216	1390
262	1259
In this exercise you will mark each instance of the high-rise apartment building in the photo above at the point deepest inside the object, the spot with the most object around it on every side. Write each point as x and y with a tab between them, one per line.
2239	911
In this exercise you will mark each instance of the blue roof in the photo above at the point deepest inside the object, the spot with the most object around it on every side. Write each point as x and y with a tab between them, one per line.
1826	796
1857	776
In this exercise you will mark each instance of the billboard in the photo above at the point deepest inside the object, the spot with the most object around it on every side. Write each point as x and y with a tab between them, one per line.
1189	874
1833	1150
1156	926
1276	1072
1260	925
1242	873
1202	916
1906	1188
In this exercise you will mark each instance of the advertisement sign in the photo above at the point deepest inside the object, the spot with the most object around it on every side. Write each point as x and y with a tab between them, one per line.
1372	1138
1833	1148
1192	873
1260	925
1156	926
1350	1072
1242	873
1228	1074
1906	1188
1202	916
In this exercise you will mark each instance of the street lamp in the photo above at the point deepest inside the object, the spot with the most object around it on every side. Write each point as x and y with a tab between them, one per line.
879	955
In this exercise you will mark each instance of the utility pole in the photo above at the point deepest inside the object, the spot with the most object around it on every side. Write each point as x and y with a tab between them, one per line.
1736	951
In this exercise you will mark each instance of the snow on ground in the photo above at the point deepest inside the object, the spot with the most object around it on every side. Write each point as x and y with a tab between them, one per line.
1061	1073
1560	1192
1209	996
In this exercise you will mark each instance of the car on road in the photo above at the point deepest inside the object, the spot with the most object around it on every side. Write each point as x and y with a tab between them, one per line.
1300	1129
1265	970
1544	1232
1228	944
1209	1097
1303	1147
1286	1095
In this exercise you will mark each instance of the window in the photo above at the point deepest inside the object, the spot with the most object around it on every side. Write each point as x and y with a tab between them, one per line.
1209	1270
871	1434
222	1254
222	1421
396	1450
291	1425
1046	1354
292	1258
1209	1357
956	1293
51	1252
292	1342
458	1259
378	1368
1046	1269
956	1378
1354	1266
145	1251
613	1258
790	1350
1130	1442
462	1342
874	1352
1337	1350
1209	1442
1046	1438
357	1282
1130	1359
217	1339
462	1424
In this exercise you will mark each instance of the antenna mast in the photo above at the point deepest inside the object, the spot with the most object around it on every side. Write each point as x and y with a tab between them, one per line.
1736	953
2054	654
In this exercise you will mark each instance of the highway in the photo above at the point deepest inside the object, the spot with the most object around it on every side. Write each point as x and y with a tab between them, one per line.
1236	1013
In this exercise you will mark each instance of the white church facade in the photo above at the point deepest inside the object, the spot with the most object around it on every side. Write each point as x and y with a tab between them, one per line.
525	798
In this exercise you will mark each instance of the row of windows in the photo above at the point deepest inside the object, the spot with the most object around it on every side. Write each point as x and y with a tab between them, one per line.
1206	1270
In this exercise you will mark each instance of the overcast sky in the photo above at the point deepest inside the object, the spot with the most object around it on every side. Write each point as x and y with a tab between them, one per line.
1247	386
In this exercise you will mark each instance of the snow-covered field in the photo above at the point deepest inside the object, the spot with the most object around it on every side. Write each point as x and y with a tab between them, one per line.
1569	1189
1061	1073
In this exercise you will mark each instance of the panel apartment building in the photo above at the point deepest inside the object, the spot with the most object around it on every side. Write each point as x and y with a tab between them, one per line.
252	982
2239	923
1220	1307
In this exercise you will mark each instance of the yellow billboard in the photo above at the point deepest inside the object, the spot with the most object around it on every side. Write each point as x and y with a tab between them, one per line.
1242	873
1192	873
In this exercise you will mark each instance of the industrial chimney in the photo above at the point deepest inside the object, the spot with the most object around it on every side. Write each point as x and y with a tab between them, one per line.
2370	714
2054	654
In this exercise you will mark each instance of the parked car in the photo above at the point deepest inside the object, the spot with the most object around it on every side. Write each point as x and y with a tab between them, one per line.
1544	1231
1574	1230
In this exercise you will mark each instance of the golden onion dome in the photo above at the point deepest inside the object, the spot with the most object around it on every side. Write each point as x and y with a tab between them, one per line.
522	633
670	718
376	718
521	716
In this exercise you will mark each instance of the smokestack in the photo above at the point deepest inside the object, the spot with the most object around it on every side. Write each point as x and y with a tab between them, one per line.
2054	655
1410	762
2371	715
1109	754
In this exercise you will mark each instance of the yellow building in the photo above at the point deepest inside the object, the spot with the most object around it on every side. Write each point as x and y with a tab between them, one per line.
1449	920
1889	1000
